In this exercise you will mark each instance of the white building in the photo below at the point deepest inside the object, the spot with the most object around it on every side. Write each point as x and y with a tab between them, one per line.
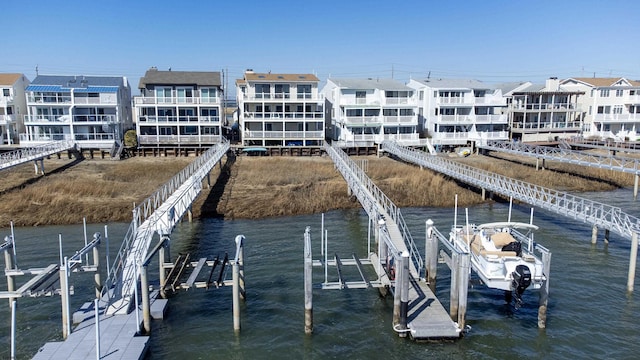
365	112
13	106
280	110
94	111
179	108
611	107
456	112
545	113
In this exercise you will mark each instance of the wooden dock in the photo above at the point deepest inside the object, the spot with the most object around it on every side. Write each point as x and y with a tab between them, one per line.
118	339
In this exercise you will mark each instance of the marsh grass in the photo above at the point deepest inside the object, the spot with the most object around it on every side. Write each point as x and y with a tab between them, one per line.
257	187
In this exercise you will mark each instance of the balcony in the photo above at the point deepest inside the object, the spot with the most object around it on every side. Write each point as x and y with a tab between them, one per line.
399	100
42	138
453	119
547	107
282	134
491	119
4	100
631	99
94	136
547	126
409	119
464	101
178	139
362	120
286	97
490	101
176	100
178	119
52	98
95	100
46	119
402	137
616	118
7	119
248	115
110	119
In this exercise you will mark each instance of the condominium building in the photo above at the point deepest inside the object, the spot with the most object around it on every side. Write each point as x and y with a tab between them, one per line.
280	110
13	106
611	107
459	111
179	108
94	111
543	113
364	112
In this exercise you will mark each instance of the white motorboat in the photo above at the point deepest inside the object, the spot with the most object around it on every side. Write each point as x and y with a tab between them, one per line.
503	255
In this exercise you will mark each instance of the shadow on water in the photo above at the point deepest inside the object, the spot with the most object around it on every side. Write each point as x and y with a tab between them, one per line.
210	205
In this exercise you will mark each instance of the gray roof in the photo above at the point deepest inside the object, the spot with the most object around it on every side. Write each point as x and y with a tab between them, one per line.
79	81
455	84
508	87
154	76
370	83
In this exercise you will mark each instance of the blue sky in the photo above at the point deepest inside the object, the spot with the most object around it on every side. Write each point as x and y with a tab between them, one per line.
492	41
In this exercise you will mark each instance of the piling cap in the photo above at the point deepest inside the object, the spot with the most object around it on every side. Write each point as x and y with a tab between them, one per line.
381	222
239	239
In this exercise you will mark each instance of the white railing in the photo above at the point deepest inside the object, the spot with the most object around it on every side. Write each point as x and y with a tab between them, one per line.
575	207
47	118
4	119
178	139
570	125
453	100
24	155
400	119
490	100
500	119
454	119
53	98
616	117
546	106
96	118
362	120
158	213
95	100
398	100
375	203
283	115
283	134
178	119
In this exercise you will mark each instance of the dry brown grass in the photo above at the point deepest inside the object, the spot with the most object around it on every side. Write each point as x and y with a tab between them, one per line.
254	187
100	190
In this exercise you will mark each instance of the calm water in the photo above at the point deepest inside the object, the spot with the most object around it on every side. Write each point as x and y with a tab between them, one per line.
590	314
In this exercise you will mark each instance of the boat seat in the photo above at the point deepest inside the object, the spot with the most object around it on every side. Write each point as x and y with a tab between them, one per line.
478	249
501	239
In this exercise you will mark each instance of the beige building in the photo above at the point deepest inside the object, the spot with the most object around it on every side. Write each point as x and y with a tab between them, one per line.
13	107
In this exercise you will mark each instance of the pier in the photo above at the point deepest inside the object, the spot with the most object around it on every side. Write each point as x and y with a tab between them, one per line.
414	301
609	162
597	214
35	154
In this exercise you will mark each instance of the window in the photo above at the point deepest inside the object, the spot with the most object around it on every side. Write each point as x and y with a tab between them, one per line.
619	92
304	91
604	109
604	92
617	109
5	92
263	90
421	95
210	93
282	91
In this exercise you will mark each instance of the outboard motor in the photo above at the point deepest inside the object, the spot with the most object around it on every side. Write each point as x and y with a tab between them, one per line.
521	281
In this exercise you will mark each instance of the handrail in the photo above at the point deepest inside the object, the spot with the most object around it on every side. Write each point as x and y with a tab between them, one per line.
575	207
16	157
371	197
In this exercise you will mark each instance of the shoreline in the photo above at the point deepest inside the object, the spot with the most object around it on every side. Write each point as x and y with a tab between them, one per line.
256	187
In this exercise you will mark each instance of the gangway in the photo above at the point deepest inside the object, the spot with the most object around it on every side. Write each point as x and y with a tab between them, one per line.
574	207
159	213
24	155
429	318
609	162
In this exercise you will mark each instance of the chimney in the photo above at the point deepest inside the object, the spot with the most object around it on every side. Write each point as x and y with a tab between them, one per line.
552	84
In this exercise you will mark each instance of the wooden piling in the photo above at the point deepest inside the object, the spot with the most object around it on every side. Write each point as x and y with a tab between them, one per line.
431	255
635	186
606	236
454	292
594	234
308	283
9	264
463	288
96	263
544	291
404	293
632	262
64	294
163	275
397	301
146	304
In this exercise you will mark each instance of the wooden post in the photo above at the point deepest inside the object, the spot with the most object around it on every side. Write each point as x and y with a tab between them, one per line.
236	297
463	287
632	261
96	263
190	214
484	193
308	285
240	240
431	255
9	265
544	291
146	306
635	186
396	296
594	234
606	236
537	164
163	275
64	293
454	297
404	293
